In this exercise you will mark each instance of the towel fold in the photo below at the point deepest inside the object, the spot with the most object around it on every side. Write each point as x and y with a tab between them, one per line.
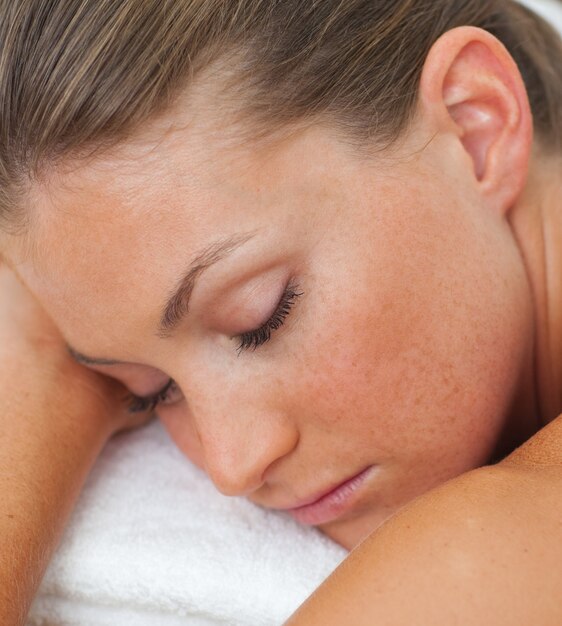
152	543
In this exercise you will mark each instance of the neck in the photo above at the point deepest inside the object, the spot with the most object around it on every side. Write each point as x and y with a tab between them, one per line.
536	221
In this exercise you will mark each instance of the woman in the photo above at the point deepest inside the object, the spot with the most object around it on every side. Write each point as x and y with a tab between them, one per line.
322	242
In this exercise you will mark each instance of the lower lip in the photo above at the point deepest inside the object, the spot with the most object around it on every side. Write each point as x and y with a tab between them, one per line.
333	504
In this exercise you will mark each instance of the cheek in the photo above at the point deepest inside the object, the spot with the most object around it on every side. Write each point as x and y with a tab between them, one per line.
416	366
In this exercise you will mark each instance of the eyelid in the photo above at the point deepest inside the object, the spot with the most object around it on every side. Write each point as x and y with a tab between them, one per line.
137	377
252	301
252	339
140	404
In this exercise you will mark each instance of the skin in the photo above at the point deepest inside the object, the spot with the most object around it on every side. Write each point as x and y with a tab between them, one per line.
56	417
417	346
483	549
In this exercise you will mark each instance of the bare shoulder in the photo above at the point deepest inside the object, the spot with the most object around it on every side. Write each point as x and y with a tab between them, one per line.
484	548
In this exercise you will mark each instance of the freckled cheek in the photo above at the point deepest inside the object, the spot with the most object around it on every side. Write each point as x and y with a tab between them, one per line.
336	372
367	375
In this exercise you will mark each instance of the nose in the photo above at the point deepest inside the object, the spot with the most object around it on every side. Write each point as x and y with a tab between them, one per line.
239	445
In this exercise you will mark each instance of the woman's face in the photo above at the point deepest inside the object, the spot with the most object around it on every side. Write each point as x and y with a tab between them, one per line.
399	319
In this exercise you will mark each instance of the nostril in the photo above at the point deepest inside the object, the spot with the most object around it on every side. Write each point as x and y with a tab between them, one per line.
233	480
229	487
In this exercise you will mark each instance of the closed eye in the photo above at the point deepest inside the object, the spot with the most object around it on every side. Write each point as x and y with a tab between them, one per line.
251	340
169	394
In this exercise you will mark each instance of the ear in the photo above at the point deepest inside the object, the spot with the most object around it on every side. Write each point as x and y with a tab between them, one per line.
471	87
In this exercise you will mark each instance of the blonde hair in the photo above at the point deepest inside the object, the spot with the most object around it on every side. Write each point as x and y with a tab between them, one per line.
79	73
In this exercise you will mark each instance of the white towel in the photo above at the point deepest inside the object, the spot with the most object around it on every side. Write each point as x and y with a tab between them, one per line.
152	543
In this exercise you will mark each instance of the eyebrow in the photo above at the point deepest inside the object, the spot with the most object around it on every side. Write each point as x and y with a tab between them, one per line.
177	304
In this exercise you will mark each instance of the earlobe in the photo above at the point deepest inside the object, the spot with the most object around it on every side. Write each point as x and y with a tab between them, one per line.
471	87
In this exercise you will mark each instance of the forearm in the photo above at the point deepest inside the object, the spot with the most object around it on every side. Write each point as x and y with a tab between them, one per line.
55	417
50	437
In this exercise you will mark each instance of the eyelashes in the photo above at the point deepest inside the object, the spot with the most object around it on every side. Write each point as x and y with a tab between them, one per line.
251	340
147	404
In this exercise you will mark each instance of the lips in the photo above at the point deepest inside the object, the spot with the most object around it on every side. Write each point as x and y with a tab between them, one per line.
331	503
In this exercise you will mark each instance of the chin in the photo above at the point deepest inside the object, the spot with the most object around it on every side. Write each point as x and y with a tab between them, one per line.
350	533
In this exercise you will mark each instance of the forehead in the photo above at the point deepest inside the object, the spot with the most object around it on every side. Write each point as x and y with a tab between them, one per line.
112	234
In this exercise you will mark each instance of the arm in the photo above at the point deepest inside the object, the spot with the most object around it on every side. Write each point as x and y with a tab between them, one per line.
55	417
485	548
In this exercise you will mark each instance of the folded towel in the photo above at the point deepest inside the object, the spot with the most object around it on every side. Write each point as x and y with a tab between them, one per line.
152	543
